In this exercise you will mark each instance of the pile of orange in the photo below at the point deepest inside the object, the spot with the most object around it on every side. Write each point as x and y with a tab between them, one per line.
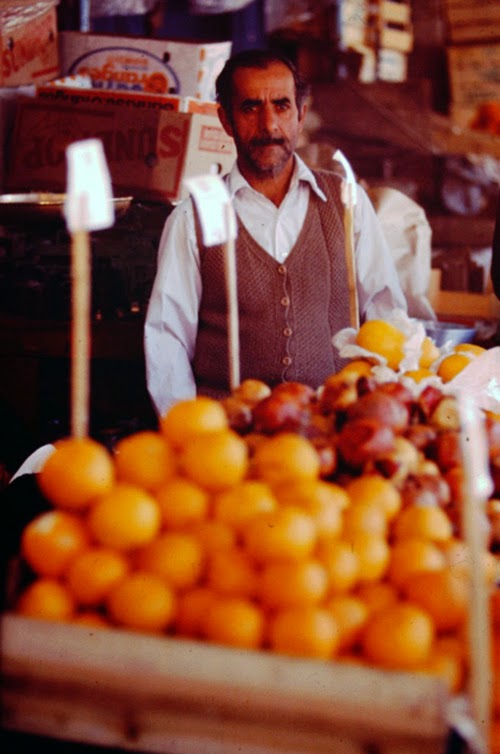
192	531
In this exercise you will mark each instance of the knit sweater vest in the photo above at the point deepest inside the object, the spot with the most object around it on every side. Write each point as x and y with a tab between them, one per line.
288	312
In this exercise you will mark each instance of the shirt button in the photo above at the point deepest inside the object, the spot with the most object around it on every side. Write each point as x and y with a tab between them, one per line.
287	331
285	301
286	361
282	269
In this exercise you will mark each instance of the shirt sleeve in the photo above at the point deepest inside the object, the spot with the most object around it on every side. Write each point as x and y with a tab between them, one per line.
378	285
172	316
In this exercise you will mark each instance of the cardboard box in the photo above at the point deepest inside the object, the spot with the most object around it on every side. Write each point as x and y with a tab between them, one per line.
474	74
472	20
134	64
149	155
63	93
28	42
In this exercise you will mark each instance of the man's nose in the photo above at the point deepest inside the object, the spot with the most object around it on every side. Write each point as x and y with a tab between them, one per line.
268	119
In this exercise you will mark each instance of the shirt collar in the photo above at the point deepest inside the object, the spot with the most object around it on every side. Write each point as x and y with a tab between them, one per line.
301	173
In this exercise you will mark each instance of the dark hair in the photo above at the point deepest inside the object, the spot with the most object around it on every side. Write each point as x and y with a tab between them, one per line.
256	59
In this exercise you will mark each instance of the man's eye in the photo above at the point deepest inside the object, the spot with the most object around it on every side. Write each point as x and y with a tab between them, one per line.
249	108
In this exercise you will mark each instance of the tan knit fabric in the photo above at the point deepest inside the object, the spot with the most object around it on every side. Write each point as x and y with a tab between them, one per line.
288	312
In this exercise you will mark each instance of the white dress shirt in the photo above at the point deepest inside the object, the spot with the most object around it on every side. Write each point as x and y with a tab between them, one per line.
172	316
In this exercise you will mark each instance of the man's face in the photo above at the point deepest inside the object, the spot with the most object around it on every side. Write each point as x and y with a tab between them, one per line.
264	121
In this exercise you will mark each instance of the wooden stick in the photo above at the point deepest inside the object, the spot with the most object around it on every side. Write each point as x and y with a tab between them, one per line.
349	254
476	485
80	333
232	304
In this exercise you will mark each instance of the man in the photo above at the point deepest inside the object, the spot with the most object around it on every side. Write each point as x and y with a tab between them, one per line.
292	267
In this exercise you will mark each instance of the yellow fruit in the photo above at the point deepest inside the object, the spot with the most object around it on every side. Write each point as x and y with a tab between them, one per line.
77	472
452	365
125	518
285	457
382	338
428	354
471	348
215	460
417	375
145	459
192	417
399	637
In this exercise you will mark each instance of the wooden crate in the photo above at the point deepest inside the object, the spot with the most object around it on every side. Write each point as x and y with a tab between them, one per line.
174	696
474	76
458	305
472	20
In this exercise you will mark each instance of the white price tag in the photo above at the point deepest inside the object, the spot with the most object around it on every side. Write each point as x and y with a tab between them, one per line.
349	196
217	217
89	198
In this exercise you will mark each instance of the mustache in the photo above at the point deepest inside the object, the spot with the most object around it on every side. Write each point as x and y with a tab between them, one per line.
268	141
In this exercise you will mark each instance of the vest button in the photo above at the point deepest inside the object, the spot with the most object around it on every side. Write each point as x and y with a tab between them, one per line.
285	301
282	269
286	361
287	332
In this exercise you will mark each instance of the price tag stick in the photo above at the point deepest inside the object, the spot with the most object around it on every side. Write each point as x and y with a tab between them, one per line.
218	227
478	487
232	299
348	195
88	207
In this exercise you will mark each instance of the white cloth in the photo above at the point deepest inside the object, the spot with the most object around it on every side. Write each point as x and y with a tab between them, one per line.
408	234
172	316
34	462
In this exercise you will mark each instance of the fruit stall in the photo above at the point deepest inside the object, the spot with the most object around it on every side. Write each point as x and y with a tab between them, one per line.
285	569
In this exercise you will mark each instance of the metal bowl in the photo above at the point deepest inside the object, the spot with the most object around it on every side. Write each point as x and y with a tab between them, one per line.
44	206
449	332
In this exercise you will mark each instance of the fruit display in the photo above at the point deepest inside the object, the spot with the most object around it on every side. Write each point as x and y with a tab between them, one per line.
310	523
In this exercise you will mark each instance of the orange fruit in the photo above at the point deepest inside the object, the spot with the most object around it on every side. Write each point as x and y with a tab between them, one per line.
374	488
305	631
288	532
285	457
429	352
191	417
341	563
182	502
289	583
144	459
251	391
458	558
93	573
452	365
212	535
76	472
425	521
443	594
234	621
323	500
51	540
91	619
373	555
411	555
214	460
417	375
142	601
47	599
382	338
242	502
192	606
356	368
125	518
364	517
350	613
447	665
231	572
471	348
376	594
398	637
176	557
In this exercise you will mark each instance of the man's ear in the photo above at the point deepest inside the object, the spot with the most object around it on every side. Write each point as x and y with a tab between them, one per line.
225	121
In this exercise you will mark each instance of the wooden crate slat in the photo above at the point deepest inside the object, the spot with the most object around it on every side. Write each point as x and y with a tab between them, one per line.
142	691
